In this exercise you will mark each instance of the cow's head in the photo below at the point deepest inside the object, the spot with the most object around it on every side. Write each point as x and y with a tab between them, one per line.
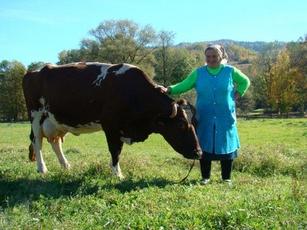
179	132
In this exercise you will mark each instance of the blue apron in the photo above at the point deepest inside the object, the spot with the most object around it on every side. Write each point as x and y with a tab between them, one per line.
215	112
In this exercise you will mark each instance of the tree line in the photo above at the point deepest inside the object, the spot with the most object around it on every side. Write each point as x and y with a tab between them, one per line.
277	70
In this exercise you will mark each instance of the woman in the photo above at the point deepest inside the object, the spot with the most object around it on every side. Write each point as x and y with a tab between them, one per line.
217	86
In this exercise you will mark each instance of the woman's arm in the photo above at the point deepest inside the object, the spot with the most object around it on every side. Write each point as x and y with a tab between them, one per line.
184	86
241	80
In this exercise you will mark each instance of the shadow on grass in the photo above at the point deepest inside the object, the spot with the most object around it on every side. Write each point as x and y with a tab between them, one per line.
129	185
25	190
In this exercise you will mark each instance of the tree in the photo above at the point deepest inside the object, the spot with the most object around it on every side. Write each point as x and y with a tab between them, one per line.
68	56
163	59
180	62
125	41
240	54
284	84
12	103
116	41
258	92
4	66
298	60
178	65
262	69
89	50
36	66
245	104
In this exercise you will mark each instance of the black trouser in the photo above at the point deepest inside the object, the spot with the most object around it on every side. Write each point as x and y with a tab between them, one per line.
226	167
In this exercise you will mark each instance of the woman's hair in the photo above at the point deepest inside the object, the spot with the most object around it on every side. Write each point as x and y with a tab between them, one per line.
220	50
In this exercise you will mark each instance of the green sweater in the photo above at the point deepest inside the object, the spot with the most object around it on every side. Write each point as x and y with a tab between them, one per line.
240	79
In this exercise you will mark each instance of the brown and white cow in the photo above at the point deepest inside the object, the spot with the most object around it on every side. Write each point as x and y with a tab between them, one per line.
87	97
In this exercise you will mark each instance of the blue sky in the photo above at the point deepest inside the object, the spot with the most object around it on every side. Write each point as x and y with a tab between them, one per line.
37	30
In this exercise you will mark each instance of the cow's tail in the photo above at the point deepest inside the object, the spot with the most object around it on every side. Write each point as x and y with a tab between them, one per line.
31	149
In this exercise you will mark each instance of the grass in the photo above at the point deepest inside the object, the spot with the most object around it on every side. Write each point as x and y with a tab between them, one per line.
268	191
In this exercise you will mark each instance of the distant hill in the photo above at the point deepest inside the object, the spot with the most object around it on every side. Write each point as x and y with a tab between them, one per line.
240	52
257	46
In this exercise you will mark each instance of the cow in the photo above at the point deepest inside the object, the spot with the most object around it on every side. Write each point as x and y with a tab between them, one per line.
119	99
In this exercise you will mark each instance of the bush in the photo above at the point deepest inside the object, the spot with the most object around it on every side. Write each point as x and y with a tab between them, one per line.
270	160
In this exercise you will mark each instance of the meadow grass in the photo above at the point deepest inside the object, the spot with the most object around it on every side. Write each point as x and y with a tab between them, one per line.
268	191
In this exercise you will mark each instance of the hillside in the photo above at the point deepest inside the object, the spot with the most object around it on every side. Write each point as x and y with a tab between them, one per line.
257	46
241	52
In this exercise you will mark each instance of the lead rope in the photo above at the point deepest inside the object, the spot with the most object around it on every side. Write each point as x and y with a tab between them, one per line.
192	165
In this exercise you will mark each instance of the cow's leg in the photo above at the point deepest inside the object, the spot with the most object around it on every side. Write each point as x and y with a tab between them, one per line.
55	139
115	146
31	146
38	139
57	148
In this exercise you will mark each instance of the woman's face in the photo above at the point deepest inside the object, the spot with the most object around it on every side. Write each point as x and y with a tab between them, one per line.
212	58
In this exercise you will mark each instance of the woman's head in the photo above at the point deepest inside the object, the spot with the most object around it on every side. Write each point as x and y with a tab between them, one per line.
215	55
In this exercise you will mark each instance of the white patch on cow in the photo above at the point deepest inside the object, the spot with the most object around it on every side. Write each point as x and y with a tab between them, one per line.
33	113
36	115
66	65
86	128
50	130
79	129
54	132
52	65
103	73
124	68
126	140
42	101
69	64
94	63
36	70
57	148
117	171
38	138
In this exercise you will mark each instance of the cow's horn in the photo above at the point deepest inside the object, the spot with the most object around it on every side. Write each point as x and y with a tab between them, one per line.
174	110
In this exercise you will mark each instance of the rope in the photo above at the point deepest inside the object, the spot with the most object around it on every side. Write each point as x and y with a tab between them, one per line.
192	165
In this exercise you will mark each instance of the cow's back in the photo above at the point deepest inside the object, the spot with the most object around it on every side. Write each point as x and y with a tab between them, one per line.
65	90
82	93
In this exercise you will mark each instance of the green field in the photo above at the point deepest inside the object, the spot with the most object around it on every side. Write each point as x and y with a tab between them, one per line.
268	191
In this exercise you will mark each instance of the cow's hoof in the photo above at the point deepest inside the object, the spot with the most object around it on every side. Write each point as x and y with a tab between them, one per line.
32	158
121	177
67	166
42	170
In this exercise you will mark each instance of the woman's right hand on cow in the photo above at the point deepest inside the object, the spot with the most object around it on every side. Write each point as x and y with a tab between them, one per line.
163	89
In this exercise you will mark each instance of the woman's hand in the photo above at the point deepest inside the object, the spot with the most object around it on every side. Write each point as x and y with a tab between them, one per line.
163	89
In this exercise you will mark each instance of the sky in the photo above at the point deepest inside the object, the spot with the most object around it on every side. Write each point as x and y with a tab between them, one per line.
37	30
